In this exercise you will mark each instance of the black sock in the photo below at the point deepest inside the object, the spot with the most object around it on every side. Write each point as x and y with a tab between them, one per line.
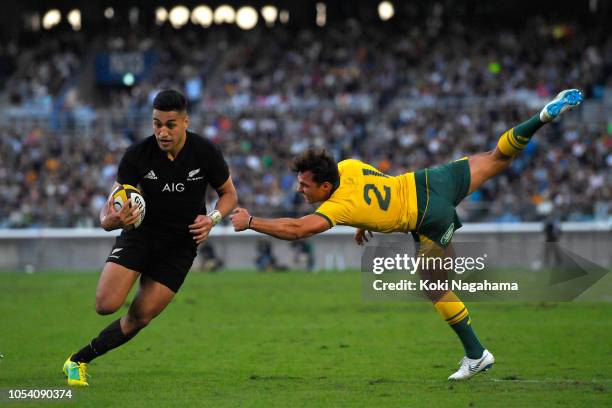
109	338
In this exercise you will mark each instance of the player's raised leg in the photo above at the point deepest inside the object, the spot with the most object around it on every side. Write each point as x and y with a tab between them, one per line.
483	166
151	299
113	287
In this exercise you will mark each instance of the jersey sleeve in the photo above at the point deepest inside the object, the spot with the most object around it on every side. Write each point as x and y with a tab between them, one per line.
218	170
333	212
127	173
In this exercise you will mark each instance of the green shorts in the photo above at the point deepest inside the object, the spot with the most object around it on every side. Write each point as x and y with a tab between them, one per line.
439	191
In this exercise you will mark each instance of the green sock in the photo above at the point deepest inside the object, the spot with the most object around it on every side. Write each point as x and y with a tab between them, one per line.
528	128
471	344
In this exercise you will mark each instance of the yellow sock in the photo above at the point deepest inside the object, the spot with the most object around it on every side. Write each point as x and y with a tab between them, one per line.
454	312
509	145
513	141
451	308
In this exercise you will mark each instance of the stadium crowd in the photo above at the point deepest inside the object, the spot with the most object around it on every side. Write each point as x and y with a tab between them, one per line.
399	99
43	68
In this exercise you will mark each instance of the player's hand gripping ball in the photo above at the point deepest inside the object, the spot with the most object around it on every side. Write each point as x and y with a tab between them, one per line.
126	193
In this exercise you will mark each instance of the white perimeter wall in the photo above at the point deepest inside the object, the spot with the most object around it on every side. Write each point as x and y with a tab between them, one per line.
87	249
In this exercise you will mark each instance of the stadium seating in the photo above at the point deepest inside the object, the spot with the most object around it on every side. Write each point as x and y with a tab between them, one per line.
400	100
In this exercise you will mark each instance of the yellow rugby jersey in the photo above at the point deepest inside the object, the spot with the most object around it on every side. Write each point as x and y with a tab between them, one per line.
369	199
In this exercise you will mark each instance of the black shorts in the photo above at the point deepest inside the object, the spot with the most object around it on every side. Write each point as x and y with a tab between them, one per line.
166	262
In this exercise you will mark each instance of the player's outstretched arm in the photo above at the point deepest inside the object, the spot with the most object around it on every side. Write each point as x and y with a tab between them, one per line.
284	228
111	219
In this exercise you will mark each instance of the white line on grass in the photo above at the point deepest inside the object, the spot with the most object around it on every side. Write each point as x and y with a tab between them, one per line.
553	380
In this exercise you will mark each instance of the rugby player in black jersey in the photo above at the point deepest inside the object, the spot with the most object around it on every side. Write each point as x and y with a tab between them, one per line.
172	168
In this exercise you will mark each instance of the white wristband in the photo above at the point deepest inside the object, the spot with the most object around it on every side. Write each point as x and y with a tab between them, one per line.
215	216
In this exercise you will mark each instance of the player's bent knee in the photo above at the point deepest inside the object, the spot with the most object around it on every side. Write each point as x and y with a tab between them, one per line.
106	307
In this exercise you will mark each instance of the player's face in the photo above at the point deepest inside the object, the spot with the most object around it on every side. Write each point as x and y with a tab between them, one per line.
312	191
169	129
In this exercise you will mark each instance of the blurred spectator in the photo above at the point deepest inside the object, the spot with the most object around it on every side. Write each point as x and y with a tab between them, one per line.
265	260
209	261
303	256
552	233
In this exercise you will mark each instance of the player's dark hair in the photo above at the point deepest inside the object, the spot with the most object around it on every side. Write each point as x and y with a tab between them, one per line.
320	163
170	100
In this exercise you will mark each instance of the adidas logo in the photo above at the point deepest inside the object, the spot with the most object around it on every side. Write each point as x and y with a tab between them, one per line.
151	175
474	367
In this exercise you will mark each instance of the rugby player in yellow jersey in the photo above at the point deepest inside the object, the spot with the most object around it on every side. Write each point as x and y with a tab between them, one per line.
356	194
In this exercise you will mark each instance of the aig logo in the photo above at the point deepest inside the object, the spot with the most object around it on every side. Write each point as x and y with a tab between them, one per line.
174	187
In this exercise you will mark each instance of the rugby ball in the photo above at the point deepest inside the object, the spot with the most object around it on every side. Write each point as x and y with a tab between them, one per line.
126	193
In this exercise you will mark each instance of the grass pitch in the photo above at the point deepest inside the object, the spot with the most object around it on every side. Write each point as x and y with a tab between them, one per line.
299	339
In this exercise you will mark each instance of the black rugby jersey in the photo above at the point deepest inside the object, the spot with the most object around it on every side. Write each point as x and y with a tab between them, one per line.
174	190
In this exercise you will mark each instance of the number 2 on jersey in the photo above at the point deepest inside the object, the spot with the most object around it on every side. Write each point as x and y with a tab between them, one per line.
383	203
